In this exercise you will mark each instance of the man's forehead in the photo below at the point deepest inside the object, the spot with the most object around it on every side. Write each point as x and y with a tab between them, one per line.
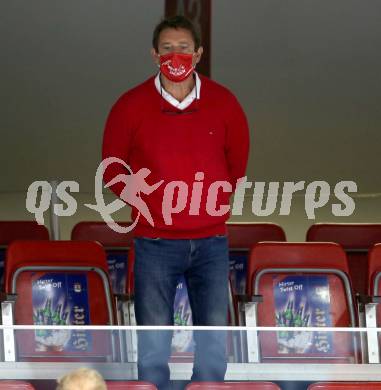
175	34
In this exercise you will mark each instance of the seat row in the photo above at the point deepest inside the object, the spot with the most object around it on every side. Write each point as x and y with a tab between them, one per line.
289	285
281	281
19	385
356	240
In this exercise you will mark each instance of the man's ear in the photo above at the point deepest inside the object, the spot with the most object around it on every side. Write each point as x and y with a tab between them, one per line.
155	56
198	55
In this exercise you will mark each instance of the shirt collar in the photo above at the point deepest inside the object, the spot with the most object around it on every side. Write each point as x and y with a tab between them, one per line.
194	94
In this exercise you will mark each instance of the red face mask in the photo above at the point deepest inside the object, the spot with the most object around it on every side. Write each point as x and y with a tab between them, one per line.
176	66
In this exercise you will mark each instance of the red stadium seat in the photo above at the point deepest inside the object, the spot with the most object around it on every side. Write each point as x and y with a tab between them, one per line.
101	232
21	230
242	236
232	386
345	386
15	385
60	282
18	230
356	239
130	386
301	284
116	245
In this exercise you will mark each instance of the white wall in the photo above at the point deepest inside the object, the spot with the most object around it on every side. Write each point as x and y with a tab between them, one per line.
368	209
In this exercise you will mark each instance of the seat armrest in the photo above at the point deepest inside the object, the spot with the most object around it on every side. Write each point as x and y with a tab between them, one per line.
5	297
364	300
124	297
243	298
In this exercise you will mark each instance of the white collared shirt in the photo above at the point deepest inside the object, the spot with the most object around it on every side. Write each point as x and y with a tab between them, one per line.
195	93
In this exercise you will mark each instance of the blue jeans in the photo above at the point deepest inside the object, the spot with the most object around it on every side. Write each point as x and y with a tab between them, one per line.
159	263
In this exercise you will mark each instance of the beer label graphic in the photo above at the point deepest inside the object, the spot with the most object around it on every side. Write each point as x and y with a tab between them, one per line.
61	299
238	263
182	341
302	301
117	268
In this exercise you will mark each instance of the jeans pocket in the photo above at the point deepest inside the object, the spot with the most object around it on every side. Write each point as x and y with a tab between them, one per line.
151	238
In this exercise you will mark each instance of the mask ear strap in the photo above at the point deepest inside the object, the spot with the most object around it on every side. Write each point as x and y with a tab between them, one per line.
195	84
195	64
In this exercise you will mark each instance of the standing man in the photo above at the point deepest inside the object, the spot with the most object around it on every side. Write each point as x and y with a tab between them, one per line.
189	132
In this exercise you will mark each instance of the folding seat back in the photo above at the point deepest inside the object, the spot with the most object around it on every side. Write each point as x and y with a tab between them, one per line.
116	245
135	385
345	386
232	386
60	283
301	284
242	236
356	239
15	385
21	230
18	230
101	232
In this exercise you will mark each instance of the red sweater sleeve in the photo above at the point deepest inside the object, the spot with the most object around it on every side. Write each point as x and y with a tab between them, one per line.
117	141
237	141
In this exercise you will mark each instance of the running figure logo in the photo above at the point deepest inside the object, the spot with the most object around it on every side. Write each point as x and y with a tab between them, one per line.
134	184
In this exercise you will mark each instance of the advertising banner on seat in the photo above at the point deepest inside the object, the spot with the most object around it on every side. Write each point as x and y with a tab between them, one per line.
182	341
61	299
238	265
117	268
303	301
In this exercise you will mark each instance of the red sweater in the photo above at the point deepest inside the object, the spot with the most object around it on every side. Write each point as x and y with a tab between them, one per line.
145	131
